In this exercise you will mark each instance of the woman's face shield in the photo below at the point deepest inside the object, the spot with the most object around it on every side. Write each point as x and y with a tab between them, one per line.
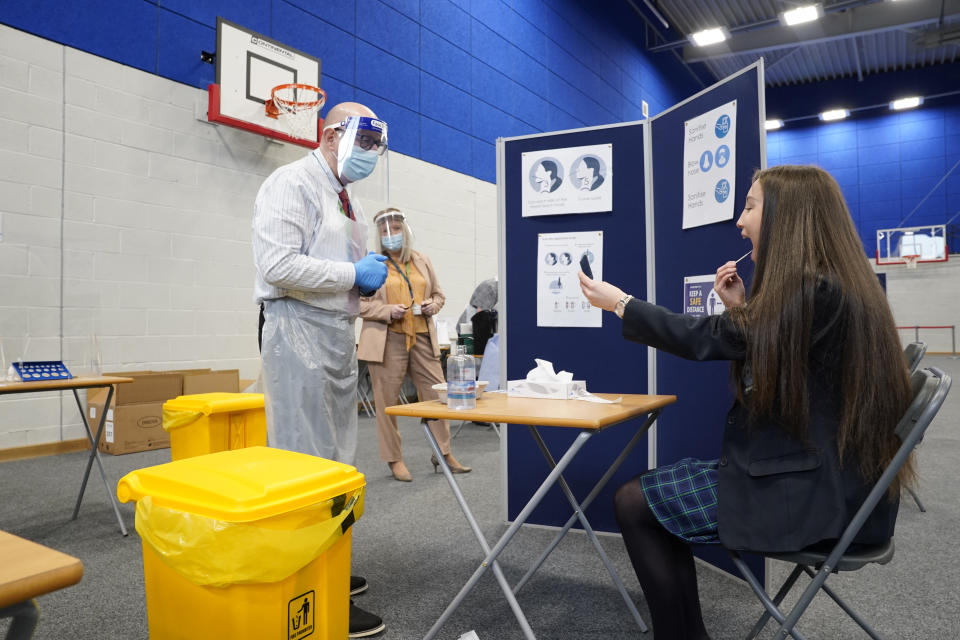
390	228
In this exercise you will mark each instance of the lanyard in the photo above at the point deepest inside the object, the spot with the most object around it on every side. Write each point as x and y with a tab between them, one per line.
406	276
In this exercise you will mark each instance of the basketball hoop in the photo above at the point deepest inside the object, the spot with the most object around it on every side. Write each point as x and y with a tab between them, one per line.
911	261
297	106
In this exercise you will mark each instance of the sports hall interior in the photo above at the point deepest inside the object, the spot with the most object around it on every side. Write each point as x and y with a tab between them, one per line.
125	240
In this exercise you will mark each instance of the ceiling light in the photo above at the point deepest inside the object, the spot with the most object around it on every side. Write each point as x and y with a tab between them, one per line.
834	114
770	125
906	103
807	13
708	36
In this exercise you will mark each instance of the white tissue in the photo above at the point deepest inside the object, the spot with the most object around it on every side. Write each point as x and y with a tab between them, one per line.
544	373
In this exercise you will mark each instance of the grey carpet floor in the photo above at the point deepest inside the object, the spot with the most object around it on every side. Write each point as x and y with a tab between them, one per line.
415	548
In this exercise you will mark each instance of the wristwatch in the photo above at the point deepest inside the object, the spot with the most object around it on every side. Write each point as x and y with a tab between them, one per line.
622	305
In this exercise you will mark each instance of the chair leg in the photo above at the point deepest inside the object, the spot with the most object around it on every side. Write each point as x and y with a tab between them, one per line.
916	499
850	612
781	594
761	594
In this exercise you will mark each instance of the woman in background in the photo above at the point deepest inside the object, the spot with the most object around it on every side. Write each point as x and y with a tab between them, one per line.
820	383
399	338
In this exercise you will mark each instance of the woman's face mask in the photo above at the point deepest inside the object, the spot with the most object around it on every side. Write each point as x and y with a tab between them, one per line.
392	243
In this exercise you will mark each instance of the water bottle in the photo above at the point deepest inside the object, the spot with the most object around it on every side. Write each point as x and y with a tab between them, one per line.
461	380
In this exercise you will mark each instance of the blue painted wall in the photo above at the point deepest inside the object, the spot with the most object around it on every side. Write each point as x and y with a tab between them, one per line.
449	76
886	162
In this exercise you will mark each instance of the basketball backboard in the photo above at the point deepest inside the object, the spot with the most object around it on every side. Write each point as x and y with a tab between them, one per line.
249	66
902	245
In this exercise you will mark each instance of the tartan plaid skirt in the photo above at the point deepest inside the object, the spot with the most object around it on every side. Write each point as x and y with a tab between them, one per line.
683	497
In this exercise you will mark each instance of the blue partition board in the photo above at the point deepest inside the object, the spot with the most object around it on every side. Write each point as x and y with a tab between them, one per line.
598	355
693	427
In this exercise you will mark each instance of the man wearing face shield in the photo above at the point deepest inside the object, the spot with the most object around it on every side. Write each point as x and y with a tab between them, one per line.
309	250
399	338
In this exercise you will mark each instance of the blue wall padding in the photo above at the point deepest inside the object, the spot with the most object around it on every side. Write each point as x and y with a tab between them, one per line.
523	67
885	162
597	355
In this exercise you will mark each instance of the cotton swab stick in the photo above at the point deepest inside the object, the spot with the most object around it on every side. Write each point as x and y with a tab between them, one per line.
743	256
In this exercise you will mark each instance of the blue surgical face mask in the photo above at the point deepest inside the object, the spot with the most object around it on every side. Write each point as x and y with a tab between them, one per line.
359	164
392	243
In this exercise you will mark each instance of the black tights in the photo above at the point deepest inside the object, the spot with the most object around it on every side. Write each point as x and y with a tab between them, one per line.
664	566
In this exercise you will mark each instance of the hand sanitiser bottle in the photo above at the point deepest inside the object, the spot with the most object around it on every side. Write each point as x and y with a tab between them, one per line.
461	380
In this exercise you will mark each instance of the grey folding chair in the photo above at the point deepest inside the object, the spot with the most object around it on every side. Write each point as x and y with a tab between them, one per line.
364	388
913	354
930	387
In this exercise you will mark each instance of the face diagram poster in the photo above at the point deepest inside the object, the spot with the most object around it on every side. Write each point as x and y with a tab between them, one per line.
560	303
709	166
699	298
571	180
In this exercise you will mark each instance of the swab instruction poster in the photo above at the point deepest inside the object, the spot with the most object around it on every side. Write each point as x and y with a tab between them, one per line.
570	180
560	303
709	166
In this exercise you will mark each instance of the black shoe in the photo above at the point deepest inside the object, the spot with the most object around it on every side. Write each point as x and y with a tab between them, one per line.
358	584
363	623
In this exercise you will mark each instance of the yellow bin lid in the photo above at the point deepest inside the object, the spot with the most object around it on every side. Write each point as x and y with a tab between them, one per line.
220	402
241	485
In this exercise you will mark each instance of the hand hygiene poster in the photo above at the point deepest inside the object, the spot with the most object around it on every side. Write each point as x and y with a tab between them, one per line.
709	166
560	303
571	180
699	298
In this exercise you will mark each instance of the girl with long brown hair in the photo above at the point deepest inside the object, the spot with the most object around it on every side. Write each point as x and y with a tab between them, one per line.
819	381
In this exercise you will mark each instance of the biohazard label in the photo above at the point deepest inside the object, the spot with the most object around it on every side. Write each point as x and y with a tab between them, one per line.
300	613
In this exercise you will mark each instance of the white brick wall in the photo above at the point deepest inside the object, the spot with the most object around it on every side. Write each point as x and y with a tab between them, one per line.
127	218
926	296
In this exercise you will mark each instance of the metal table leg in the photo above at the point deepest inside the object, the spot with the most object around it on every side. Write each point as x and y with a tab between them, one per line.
504	540
95	455
579	513
504	585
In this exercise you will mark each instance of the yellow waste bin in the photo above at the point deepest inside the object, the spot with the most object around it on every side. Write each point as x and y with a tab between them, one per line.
211	422
247	544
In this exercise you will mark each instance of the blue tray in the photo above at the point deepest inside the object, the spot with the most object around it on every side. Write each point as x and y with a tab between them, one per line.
45	370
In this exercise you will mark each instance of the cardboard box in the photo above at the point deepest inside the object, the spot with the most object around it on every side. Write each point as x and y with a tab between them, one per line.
135	415
211	381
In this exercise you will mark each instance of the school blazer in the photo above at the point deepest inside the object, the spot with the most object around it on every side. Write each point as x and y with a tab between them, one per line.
775	493
376	316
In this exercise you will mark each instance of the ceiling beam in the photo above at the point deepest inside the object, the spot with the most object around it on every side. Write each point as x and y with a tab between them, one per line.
858	21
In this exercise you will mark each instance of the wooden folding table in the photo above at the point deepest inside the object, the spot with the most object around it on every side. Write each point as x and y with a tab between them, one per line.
590	418
28	570
72	384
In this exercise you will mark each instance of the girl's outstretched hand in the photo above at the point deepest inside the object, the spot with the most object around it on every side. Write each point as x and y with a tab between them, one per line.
599	293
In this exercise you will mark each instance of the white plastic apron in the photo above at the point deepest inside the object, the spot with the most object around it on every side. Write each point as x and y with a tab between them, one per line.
309	354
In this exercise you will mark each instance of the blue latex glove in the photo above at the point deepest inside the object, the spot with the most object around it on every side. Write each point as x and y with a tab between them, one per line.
371	273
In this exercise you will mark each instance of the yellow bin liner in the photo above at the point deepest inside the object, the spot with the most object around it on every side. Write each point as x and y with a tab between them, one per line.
211	422
250	543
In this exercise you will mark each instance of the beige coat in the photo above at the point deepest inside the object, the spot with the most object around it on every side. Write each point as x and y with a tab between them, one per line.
376	315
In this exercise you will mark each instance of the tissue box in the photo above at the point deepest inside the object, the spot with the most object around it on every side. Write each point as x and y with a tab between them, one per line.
555	390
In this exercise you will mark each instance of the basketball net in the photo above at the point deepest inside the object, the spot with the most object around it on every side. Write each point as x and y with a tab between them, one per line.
911	261
296	105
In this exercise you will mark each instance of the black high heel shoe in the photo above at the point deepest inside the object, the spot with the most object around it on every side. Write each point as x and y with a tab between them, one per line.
455	467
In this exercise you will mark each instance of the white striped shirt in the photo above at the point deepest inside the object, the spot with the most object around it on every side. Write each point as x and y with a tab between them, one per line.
288	216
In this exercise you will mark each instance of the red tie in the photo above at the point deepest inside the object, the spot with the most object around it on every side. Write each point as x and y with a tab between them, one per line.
345	204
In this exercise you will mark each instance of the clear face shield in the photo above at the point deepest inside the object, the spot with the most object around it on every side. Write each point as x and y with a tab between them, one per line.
390	227
362	142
